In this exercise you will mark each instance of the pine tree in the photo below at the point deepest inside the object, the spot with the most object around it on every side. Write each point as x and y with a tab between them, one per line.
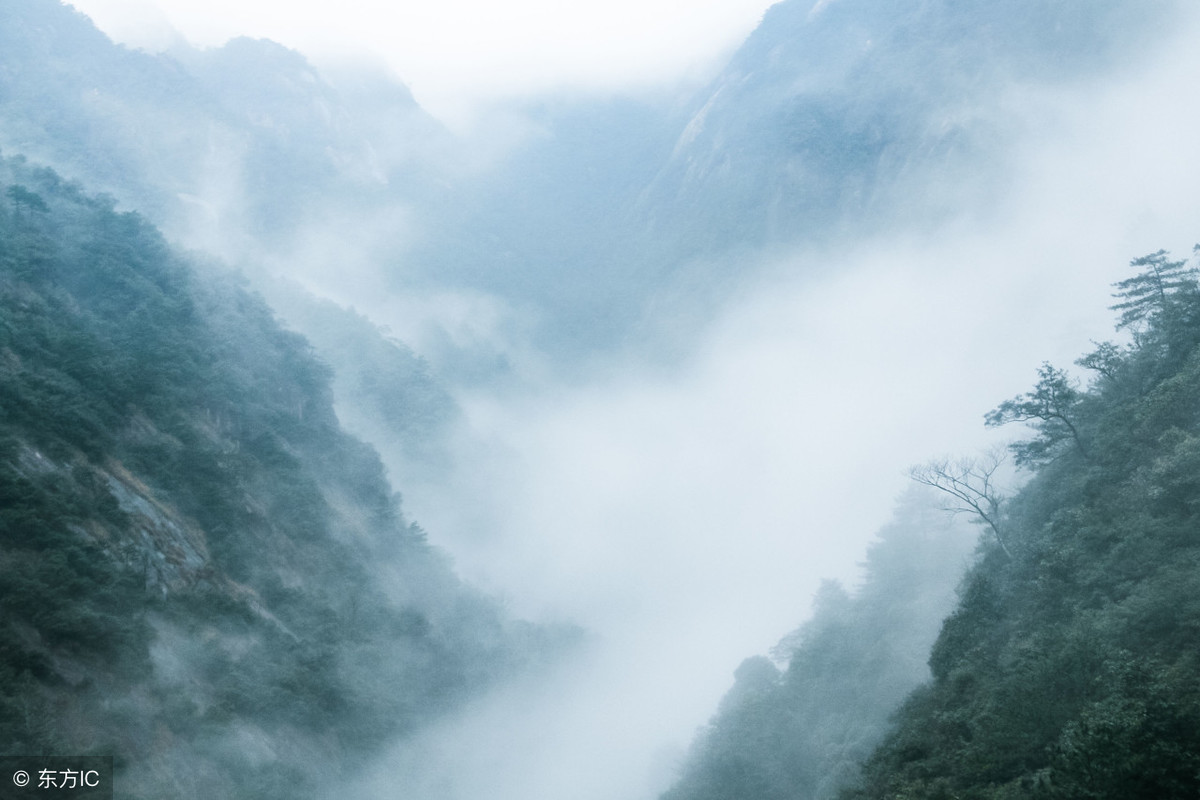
1151	299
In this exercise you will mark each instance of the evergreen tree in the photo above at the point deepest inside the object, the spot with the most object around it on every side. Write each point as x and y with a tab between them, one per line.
1155	297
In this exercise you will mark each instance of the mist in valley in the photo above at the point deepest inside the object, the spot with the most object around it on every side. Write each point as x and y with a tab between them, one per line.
685	513
674	449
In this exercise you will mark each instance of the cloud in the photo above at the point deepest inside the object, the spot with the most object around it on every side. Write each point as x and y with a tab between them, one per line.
460	55
687	515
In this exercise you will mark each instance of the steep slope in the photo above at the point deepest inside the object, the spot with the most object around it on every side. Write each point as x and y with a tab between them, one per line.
243	150
833	120
840	116
199	571
1069	668
385	393
802	733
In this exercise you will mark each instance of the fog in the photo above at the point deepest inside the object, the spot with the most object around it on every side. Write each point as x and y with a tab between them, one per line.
685	515
682	496
463	57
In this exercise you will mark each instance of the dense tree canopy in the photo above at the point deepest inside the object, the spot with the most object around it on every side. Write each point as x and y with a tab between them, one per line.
1070	670
802	732
191	550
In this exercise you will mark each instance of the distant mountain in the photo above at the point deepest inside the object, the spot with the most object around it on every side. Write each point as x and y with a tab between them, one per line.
833	120
236	145
549	228
200	572
841	116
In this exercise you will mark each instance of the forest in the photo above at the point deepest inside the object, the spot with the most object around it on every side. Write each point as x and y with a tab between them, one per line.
1067	667
202	574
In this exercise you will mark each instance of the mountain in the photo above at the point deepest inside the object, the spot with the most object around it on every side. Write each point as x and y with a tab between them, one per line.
200	572
247	152
833	121
589	219
841	118
1068	669
233	147
802	732
549	227
384	392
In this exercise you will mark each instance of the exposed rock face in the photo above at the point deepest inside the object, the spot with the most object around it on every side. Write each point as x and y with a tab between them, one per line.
174	549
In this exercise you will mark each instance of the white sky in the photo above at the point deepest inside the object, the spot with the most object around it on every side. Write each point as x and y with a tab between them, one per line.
458	54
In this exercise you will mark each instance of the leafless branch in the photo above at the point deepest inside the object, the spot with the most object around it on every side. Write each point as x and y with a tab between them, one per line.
970	487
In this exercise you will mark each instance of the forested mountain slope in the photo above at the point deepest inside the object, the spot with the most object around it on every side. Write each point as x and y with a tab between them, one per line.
384	392
802	732
246	151
1069	668
199	571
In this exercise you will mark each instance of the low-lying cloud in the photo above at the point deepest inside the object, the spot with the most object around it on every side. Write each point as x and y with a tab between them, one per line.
687	516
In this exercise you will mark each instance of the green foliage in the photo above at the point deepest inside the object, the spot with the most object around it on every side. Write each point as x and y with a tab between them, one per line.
802	733
23	198
382	387
1051	406
1138	740
1157	297
1069	670
188	541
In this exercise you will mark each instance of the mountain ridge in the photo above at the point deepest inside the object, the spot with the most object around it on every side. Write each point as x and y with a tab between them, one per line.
193	552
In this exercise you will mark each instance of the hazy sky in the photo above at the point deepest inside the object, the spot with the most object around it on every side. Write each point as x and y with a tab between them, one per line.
455	54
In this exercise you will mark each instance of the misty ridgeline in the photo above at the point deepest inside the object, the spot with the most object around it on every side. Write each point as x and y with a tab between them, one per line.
244	302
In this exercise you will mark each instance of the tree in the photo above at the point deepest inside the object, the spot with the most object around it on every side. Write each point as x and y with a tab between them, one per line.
1051	406
1105	360
970	483
1151	300
23	197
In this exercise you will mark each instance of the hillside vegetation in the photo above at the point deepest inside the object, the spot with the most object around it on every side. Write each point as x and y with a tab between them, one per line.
802	731
1069	668
199	571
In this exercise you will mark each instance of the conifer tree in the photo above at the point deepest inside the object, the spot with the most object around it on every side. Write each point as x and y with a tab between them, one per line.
1151	299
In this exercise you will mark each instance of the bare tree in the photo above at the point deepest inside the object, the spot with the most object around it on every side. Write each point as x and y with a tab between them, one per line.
970	487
